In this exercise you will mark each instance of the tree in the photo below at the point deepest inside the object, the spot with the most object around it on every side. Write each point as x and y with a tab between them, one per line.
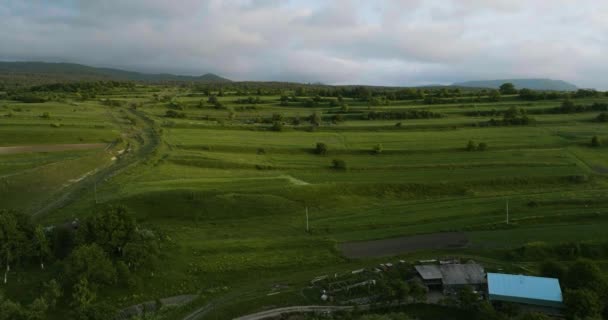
277	126
37	310
51	293
13	241
585	274
507	88
41	245
321	148
595	141
482	146
111	228
315	119
467	298
602	117
552	269
377	149
494	96
582	304
83	297
338	164
471	146
533	316
417	291
91	263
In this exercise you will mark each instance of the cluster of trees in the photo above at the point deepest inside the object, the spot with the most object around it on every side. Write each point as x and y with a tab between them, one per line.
472	146
106	249
249	100
511	116
584	285
175	114
401	115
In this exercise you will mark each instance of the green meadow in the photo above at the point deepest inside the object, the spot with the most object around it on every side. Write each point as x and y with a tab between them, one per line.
230	192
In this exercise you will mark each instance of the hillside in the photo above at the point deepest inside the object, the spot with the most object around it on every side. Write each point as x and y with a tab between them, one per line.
72	71
535	84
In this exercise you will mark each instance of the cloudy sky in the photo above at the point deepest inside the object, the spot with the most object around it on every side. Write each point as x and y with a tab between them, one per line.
399	42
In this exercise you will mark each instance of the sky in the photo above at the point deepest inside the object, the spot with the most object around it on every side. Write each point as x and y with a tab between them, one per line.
381	42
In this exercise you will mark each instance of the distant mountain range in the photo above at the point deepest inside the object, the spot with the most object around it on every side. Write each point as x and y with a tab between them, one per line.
535	84
73	71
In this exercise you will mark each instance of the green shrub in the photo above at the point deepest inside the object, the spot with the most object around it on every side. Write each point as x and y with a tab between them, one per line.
338	164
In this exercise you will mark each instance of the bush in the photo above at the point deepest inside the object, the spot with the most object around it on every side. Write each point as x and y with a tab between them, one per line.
174	114
338	164
602	117
377	149
321	148
277	126
45	115
471	146
482	146
595	141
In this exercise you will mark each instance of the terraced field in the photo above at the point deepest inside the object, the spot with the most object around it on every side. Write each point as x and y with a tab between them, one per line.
231	193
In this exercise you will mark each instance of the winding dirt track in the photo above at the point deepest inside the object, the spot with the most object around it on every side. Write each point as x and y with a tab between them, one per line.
50	148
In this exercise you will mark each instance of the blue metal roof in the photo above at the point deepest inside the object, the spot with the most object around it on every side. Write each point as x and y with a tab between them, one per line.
526	289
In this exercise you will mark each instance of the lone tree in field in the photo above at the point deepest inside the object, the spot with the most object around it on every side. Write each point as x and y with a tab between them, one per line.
471	146
315	119
507	88
595	141
338	164
377	149
321	148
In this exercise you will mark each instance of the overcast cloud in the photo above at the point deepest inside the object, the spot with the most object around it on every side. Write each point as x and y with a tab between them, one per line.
406	42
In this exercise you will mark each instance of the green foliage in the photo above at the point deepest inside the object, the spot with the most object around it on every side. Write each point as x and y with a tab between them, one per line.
277	126
595	141
507	88
602	117
338	164
321	148
175	114
482	146
471	146
582	304
553	269
90	264
377	149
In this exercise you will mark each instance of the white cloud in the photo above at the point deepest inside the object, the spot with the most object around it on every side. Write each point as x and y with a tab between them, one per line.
343	41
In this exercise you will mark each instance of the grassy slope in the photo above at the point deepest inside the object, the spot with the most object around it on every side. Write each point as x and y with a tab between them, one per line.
233	211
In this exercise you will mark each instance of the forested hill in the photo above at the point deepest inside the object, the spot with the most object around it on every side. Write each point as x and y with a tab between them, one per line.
534	84
45	72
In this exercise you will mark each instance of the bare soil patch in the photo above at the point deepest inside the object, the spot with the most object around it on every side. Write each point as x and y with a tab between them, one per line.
395	246
51	148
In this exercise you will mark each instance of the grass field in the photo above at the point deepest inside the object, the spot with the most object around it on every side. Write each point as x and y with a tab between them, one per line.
231	194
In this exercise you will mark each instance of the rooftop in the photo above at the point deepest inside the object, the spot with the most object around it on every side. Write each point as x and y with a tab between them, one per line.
460	274
429	272
524	289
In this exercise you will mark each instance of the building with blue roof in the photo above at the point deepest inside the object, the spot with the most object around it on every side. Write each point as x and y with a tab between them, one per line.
534	291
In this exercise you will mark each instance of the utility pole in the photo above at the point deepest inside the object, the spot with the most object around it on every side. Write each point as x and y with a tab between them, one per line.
307	230
507	211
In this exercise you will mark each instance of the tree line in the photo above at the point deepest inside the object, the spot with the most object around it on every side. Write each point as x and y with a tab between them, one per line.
108	249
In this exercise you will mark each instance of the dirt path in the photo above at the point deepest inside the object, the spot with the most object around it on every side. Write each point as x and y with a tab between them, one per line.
395	246
145	141
50	148
297	309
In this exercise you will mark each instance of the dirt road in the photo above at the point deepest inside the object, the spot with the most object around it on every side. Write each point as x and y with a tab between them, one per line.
395	246
50	148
